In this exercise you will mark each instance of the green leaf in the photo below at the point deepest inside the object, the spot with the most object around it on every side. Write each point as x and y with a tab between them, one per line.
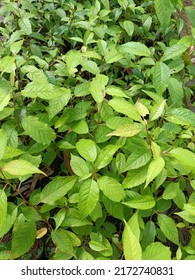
135	177
3	143
4	100
10	217
175	88
100	244
184	157
57	188
171	191
106	156
25	25
148	234
80	127
129	27
133	223
90	66
72	59
97	87
155	167
37	130
22	232
3	208
79	167
161	77
143	202
127	130
20	168
16	46
57	104
163	11
182	116
88	197
62	241
131	246
73	219
59	217
156	251
157	110
168	228
137	159
111	188
7	64
174	50
112	56
115	91
43	90
135	48
82	89
87	149
122	106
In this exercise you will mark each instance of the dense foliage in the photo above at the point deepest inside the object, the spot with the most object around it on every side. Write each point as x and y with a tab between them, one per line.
97	129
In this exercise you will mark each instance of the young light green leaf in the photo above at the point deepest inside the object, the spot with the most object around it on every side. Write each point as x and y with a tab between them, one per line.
37	130
156	150
115	91
127	130
4	100
88	197
112	56
3	208
72	59
184	157
57	188
161	77
137	159
79	166
168	228
133	223
23	231
20	167
144	202
156	251
87	149
111	188
129	27
16	46
57	104
3	143
142	109
106	156
135	48
90	66
122	106
155	167
131	246
157	110
97	87
135	177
